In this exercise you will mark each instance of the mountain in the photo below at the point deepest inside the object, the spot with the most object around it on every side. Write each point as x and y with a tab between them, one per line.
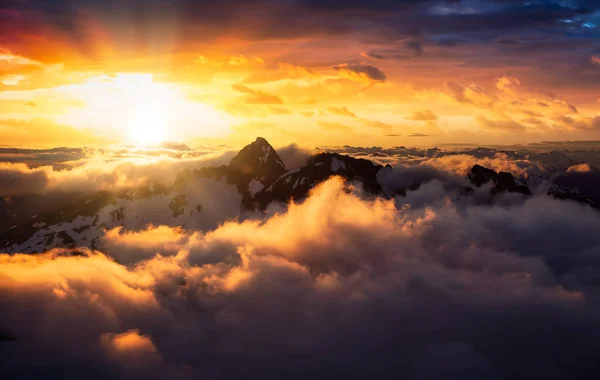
503	181
582	187
297	184
201	198
8	217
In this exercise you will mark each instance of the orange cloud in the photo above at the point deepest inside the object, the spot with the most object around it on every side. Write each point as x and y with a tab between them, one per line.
341	111
256	96
425	115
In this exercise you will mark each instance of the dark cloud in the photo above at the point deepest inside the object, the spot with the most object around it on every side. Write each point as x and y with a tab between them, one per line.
137	19
362	71
415	46
41	157
385	54
19	179
450	42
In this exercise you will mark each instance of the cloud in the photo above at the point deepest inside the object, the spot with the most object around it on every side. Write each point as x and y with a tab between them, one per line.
127	343
428	270
293	156
332	126
580	168
341	111
90	170
386	54
415	46
256	96
360	72
377	124
19	179
460	164
418	135
425	115
512	86
508	84
134	246
470	94
502	126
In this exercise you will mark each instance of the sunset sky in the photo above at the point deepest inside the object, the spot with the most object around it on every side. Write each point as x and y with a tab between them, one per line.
299	189
376	72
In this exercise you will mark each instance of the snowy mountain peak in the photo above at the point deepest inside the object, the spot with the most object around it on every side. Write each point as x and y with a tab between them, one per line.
256	166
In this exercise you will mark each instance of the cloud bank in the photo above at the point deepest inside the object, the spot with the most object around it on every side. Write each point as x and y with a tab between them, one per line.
420	287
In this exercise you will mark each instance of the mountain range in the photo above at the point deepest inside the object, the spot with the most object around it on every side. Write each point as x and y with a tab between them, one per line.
255	178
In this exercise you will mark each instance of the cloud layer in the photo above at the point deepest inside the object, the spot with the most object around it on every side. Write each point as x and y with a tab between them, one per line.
421	286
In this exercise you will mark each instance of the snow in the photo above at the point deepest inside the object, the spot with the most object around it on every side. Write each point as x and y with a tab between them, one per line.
266	153
139	213
254	186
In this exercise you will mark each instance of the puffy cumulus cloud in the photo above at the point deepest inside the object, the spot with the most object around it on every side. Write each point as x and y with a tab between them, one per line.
363	72
581	168
512	86
99	174
133	246
508	84
128	344
64	169
408	289
425	115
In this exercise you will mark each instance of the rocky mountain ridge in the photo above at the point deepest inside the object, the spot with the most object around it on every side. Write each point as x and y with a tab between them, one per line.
255	178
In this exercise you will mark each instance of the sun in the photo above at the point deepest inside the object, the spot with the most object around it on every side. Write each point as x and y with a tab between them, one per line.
148	126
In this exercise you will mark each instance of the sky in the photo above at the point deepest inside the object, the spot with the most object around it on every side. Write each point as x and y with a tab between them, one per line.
377	72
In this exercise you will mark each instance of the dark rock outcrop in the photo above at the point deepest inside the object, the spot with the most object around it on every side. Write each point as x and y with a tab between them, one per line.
503	181
255	162
297	184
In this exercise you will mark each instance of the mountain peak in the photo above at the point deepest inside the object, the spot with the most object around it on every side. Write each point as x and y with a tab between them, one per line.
502	181
257	164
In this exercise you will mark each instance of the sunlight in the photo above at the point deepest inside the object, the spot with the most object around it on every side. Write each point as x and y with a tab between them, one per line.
136	109
147	127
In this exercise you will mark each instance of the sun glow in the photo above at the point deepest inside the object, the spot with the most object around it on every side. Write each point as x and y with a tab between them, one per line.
147	127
